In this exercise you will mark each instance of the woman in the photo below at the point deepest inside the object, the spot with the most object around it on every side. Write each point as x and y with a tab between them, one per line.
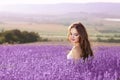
78	36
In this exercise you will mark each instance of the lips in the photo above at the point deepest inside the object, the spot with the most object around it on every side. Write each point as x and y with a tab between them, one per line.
73	39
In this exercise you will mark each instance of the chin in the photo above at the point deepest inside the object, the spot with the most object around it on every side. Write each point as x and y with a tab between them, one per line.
73	41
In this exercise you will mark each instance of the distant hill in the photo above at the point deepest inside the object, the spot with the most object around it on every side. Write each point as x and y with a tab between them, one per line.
63	8
59	13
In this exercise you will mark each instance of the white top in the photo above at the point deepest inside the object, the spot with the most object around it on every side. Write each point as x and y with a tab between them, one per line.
69	56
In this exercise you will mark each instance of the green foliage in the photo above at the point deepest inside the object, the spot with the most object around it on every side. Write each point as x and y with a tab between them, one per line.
45	39
108	40
2	39
16	36
108	36
116	35
99	39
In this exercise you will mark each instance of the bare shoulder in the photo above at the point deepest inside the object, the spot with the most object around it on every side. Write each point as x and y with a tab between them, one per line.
76	52
76	49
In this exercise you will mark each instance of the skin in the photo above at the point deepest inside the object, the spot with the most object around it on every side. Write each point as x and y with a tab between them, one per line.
74	39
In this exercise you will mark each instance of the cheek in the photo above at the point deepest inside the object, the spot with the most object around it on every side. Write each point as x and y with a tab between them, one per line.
77	38
69	38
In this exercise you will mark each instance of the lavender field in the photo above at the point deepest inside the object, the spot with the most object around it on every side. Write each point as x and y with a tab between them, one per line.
49	62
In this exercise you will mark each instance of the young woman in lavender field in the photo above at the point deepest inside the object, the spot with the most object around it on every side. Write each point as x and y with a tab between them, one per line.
78	36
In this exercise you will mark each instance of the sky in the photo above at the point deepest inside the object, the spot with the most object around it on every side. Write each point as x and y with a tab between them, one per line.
4	2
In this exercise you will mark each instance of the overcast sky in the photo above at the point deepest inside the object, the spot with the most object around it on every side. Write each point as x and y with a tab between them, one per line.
4	2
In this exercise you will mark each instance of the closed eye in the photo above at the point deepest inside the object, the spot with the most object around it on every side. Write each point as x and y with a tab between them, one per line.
75	34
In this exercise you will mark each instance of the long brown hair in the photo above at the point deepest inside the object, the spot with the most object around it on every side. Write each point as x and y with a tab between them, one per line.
83	39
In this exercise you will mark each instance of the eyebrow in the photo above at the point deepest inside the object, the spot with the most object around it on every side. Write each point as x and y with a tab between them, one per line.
75	33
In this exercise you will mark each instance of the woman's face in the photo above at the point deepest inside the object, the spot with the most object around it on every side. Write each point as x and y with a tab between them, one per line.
74	36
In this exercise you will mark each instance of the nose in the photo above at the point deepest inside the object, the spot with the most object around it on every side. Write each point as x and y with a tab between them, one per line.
72	36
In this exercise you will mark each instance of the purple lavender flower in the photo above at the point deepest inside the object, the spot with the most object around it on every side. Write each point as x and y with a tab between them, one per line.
49	62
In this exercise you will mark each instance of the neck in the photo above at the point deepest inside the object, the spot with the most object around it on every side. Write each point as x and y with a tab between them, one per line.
76	44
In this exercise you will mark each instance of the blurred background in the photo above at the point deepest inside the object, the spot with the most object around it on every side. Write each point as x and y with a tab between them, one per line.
46	21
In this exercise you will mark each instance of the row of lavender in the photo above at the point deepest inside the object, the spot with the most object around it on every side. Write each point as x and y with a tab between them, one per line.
48	62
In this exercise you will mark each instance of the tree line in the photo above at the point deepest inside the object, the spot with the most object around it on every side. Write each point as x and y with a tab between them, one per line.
17	36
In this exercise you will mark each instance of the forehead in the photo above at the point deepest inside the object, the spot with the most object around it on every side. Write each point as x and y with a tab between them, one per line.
73	30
